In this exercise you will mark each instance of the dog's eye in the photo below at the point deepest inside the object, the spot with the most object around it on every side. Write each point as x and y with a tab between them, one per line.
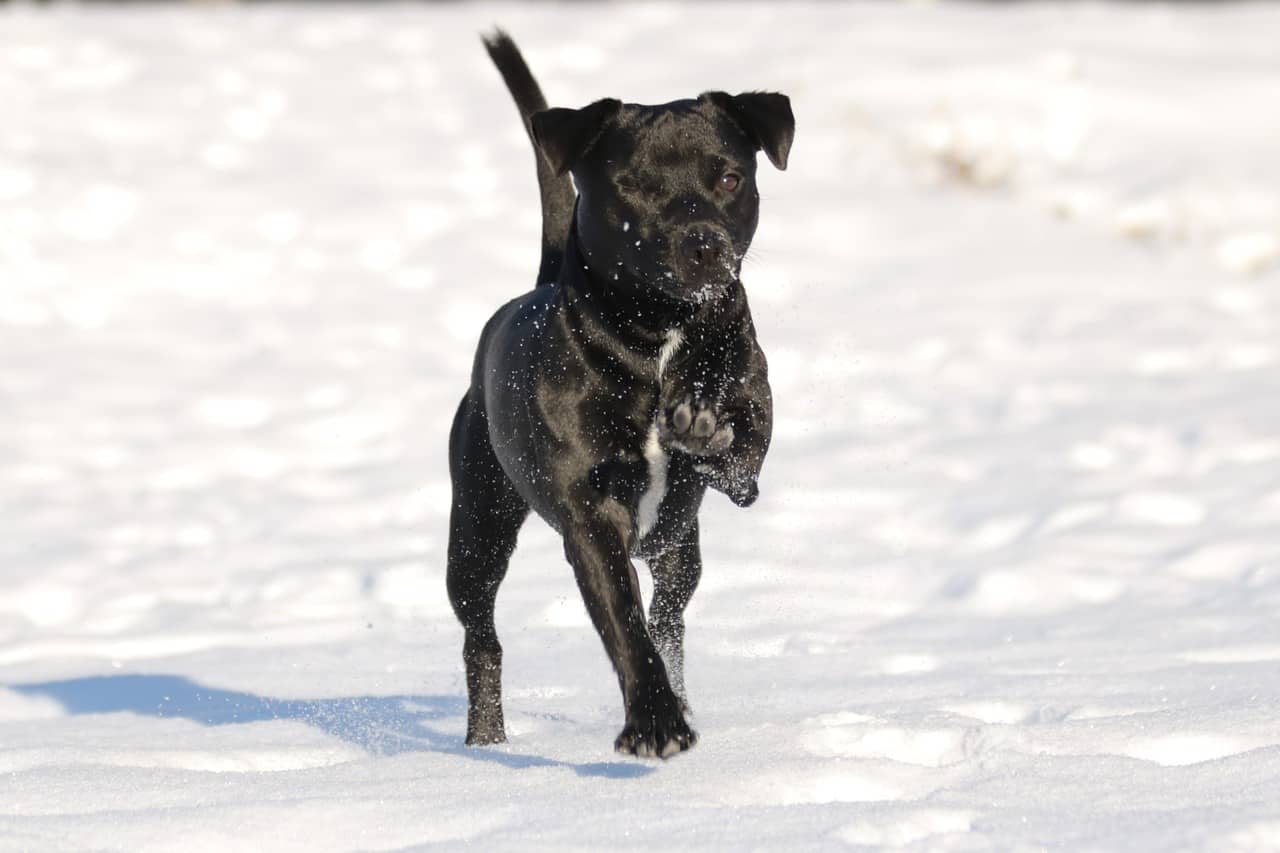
729	181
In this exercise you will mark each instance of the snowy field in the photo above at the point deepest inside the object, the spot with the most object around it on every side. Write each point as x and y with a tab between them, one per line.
1013	581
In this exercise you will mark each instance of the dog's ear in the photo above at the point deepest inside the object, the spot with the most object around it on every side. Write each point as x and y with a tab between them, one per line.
565	135
766	117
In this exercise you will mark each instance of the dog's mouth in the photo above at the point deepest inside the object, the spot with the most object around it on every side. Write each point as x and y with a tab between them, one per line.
694	267
704	262
705	254
709	292
697	291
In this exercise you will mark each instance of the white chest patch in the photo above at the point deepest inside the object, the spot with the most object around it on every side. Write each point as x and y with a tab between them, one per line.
670	345
654	455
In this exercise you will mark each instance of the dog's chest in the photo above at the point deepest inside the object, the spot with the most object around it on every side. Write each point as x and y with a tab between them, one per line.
656	457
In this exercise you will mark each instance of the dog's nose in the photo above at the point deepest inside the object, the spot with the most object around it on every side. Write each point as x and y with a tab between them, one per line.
705	247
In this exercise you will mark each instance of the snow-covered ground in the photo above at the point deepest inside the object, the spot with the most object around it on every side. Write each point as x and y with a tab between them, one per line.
1014	578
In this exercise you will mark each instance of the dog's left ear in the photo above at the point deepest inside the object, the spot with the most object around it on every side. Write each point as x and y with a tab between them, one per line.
766	117
565	135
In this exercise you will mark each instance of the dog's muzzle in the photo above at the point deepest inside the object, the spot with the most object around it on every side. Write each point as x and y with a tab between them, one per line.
706	257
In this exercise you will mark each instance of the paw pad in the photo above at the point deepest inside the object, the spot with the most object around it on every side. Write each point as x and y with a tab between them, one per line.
693	426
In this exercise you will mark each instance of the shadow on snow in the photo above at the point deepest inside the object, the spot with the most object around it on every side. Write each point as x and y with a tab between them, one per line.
383	725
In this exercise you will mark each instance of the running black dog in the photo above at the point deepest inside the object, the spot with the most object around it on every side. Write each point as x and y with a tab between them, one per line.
629	380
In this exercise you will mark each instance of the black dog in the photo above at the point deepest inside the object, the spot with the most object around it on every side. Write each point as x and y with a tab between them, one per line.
612	395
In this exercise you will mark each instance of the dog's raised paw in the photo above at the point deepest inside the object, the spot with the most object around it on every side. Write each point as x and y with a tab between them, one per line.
693	426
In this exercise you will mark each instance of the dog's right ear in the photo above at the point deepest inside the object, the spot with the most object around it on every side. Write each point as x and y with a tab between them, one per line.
767	117
565	135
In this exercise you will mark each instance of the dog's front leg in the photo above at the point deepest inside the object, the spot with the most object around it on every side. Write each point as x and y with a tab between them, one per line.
728	442
736	472
717	407
655	725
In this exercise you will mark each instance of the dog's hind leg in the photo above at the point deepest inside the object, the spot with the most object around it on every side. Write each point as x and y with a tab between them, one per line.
484	521
675	576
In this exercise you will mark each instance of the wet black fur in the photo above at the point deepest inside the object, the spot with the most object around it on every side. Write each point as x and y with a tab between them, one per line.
566	388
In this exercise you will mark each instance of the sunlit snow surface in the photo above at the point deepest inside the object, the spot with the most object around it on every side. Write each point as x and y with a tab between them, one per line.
1014	577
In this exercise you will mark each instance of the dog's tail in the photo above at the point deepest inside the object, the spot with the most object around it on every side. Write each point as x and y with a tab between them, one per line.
557	191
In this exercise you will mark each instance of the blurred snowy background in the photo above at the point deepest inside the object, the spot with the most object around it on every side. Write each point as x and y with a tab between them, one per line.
1014	578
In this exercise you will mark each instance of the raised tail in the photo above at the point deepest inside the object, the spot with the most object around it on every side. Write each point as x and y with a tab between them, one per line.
557	191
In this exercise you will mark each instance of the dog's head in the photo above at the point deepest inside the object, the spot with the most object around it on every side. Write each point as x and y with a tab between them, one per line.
667	195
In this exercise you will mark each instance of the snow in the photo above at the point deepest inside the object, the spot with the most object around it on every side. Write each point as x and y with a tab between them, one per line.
1014	576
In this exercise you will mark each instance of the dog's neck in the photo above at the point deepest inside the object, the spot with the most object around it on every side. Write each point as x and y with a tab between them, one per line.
632	306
